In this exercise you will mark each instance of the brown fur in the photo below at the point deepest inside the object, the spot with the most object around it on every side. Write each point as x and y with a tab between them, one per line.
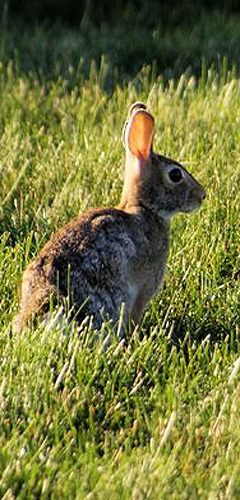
114	256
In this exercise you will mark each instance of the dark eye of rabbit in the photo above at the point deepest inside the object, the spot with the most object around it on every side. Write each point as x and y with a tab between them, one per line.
175	175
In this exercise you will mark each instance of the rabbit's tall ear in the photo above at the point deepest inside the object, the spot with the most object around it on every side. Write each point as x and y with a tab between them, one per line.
139	134
136	106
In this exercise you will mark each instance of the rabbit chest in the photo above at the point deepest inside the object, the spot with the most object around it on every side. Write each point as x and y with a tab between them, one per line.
148	266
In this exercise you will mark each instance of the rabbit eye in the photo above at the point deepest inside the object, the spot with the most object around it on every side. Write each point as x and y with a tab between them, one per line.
175	175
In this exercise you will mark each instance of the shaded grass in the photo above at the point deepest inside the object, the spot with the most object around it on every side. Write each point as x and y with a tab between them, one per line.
170	45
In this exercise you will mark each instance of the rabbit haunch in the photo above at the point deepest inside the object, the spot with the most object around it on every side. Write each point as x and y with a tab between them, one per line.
114	256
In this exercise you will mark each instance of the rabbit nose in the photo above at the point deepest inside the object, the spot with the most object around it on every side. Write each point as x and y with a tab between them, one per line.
199	194
203	194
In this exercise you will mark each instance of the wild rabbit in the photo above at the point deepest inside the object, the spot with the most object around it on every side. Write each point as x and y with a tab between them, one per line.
114	257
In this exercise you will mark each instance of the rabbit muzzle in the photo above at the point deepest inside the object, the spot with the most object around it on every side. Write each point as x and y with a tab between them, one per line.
195	198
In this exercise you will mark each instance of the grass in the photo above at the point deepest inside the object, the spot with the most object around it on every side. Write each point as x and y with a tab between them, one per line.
158	416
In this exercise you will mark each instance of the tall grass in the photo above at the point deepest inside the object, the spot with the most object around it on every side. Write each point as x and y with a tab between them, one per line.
155	416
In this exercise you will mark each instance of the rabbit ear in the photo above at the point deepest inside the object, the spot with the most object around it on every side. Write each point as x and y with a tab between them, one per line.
139	134
135	106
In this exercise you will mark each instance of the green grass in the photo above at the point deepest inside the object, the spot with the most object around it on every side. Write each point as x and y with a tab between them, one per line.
158	416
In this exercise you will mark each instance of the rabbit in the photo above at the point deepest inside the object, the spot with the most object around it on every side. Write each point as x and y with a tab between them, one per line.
110	260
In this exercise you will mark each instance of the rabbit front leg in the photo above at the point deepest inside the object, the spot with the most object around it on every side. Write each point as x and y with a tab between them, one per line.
138	308
143	297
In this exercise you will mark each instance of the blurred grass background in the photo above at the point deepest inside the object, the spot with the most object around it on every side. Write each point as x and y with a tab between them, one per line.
172	38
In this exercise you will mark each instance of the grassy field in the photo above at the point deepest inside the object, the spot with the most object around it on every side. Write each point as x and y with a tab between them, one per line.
156	417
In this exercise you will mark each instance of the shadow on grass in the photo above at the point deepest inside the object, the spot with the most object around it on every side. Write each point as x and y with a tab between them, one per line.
184	331
53	51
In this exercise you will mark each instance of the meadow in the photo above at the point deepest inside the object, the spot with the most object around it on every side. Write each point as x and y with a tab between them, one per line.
155	416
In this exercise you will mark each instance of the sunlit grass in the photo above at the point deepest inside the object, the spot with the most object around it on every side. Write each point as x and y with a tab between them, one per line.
155	416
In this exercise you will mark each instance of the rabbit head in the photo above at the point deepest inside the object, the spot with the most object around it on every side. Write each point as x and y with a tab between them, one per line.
153	181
